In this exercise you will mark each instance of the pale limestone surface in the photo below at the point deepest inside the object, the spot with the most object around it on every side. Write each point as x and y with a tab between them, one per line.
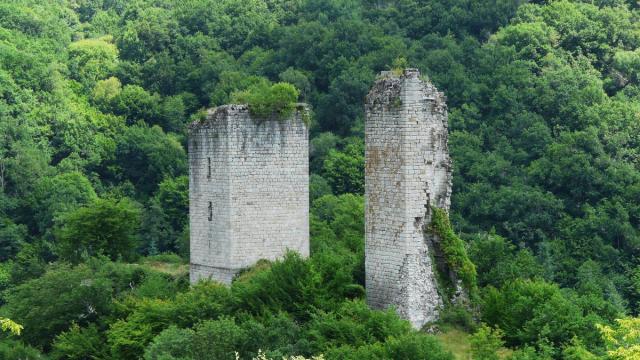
408	171
248	190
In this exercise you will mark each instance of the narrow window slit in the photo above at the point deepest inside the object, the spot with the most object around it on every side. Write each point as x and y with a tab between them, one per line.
210	211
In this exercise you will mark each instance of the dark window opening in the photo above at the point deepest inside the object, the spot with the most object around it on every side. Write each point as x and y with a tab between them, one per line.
210	211
208	168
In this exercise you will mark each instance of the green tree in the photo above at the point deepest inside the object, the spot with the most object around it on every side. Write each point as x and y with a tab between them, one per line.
623	341
146	156
104	227
12	236
64	295
91	60
59	194
135	103
79	343
172	343
485	343
345	169
217	339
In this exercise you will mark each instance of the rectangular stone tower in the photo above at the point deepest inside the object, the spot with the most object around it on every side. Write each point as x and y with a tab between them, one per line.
248	190
408	171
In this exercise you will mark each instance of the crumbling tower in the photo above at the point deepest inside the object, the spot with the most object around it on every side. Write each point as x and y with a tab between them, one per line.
408	171
248	190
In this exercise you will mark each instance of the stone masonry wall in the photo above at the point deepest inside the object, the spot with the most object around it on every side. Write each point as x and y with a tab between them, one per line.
408	170
248	191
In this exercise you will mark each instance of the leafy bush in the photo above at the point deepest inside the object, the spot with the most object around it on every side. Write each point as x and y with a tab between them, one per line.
269	101
353	323
217	339
171	344
143	319
65	295
344	170
290	285
80	343
16	350
498	261
457	315
485	343
623	340
531	312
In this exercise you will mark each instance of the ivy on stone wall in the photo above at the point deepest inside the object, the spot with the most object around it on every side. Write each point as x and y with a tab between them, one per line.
453	249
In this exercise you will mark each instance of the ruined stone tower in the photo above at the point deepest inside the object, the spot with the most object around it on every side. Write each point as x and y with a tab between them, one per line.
408	171
248	190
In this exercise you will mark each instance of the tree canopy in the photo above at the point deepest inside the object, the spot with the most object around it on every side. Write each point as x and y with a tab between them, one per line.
95	98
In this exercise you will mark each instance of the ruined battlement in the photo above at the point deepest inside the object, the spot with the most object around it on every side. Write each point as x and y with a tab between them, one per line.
407	172
248	190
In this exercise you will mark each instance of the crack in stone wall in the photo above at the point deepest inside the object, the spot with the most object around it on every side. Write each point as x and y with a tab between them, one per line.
248	190
408	170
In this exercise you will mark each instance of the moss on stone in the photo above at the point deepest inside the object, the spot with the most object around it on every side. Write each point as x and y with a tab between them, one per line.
396	103
306	115
453	249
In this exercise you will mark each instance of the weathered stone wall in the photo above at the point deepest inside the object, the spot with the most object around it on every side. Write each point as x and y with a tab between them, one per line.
408	170
248	191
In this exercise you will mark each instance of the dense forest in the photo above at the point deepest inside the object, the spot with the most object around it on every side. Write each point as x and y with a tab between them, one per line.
95	99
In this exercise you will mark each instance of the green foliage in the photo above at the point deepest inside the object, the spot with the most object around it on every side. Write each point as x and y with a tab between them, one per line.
319	148
498	262
65	295
543	104
165	217
54	196
344	170
147	317
353	323
217	339
457	315
290	284
453	249
104	227
485	343
409	346
298	79
105	91
269	101
91	60
171	343
79	343
146	156
318	187
16	350
11	237
577	351
533	312
10	326
622	341
135	103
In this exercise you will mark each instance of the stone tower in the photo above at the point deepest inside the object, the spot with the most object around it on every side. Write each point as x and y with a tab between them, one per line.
408	171
248	190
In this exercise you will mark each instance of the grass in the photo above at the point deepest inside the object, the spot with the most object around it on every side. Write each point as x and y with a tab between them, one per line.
457	341
167	263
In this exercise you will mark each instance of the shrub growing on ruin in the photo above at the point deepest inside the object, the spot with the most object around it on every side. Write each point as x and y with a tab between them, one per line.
268	101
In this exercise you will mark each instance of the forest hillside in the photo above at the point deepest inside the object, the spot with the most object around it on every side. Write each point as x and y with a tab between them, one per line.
95	99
